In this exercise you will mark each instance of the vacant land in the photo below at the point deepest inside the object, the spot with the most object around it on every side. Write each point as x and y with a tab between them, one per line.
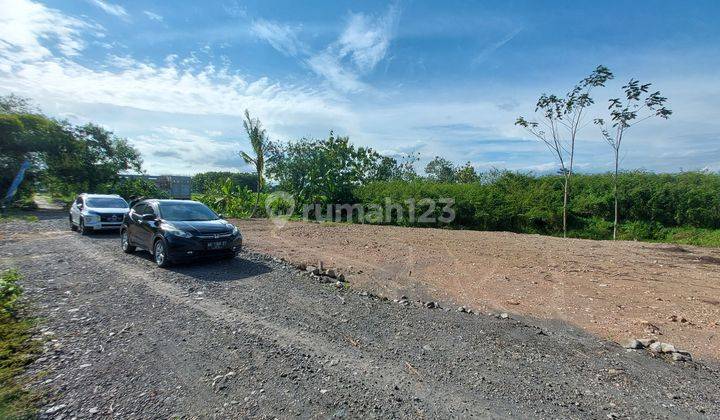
253	337
615	290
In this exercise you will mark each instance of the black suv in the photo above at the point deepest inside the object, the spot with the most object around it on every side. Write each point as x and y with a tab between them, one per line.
178	229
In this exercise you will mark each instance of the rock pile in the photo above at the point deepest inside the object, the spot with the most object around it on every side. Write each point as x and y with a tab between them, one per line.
326	275
658	348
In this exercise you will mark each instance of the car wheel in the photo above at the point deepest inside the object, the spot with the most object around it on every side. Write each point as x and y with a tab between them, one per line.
82	229
72	225
160	253
125	243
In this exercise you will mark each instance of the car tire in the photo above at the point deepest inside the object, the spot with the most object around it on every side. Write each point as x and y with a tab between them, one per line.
125	243
72	225
160	254
82	229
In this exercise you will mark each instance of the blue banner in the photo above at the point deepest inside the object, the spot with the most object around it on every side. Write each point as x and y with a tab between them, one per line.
16	182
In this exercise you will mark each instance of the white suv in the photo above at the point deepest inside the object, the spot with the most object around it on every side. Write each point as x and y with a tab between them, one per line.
92	212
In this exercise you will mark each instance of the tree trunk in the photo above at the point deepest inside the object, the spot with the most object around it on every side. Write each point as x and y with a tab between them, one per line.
615	194
565	203
257	199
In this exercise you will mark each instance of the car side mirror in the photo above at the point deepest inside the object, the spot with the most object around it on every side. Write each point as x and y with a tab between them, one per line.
220	216
148	217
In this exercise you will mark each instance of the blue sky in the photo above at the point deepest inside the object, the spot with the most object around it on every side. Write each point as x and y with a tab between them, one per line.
439	78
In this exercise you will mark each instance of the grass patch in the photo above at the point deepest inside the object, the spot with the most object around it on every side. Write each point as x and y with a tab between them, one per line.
17	350
692	236
15	215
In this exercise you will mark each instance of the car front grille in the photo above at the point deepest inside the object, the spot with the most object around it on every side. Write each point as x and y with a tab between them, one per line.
112	218
217	236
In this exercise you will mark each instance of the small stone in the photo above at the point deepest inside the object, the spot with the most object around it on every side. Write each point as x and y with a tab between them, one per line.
93	410
432	305
504	315
634	345
678	357
54	409
462	309
667	348
330	273
646	341
656	347
341	277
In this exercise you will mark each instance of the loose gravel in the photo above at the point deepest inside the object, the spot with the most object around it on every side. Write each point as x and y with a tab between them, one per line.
254	337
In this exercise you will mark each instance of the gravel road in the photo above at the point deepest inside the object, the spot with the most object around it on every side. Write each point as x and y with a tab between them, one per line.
252	337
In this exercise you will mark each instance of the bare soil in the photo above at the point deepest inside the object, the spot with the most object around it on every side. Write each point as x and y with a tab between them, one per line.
253	337
615	290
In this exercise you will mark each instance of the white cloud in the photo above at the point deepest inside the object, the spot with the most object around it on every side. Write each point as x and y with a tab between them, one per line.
361	46
27	29
366	40
153	16
490	49
110	8
281	37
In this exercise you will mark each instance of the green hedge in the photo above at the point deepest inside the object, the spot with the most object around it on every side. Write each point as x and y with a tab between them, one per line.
649	203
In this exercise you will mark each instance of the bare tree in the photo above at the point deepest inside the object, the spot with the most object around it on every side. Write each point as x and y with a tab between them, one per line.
258	142
637	106
561	118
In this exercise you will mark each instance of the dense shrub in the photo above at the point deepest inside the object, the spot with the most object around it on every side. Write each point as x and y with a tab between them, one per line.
231	200
649	203
201	182
10	291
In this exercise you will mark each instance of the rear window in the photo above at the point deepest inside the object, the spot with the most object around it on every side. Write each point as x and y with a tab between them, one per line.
107	202
189	212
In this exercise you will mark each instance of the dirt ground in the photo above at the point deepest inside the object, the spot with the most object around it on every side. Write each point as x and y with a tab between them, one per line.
253	337
615	290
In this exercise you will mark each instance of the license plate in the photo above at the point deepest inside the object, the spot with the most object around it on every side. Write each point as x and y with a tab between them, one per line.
216	245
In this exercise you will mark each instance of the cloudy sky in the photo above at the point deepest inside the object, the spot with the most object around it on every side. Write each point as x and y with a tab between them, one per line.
439	78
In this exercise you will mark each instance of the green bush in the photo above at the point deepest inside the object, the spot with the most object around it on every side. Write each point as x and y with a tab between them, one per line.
202	182
231	200
639	230
649	205
10	291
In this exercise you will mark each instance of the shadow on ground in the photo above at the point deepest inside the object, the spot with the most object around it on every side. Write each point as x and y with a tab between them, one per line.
209	269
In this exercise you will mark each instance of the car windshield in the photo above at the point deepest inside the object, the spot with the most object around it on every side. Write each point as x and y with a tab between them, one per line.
187	212
106	202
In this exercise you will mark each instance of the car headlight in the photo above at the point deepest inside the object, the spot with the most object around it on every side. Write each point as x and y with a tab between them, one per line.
91	217
235	231
177	232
